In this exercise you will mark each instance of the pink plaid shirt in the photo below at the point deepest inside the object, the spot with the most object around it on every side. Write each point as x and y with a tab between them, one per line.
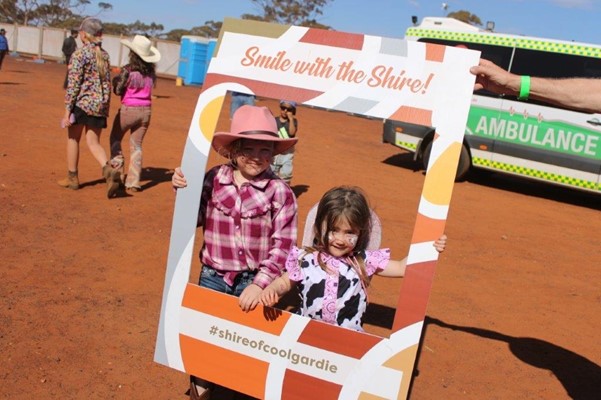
248	228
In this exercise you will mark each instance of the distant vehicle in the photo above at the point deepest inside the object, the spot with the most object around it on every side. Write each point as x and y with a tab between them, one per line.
525	138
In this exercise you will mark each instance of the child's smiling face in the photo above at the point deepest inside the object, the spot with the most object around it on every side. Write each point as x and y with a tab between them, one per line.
342	238
254	157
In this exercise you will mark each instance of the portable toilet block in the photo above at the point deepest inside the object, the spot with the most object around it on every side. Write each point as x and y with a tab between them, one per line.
195	55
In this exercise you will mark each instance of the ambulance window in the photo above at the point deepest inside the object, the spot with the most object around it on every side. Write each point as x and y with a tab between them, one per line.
592	67
554	65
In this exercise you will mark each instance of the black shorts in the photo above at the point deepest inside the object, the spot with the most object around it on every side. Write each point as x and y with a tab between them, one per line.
81	118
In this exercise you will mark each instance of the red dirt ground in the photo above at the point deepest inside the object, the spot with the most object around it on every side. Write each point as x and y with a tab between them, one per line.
514	313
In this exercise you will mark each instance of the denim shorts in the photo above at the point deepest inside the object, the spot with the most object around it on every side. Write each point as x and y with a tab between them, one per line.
210	279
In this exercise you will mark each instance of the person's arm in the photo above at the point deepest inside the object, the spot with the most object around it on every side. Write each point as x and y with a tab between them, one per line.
397	268
178	180
275	290
282	238
120	81
293	124
582	94
74	80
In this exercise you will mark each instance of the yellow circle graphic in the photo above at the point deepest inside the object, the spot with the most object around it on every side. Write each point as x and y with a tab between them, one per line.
438	189
209	116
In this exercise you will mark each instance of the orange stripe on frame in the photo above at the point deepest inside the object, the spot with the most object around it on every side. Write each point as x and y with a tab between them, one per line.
411	306
338	340
435	52
344	40
427	229
301	387
225	306
414	115
227	368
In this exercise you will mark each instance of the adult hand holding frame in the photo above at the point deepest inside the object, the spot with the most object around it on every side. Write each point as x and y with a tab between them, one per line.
204	333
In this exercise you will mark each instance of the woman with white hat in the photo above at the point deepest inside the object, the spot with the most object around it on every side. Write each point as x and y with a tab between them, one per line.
134	84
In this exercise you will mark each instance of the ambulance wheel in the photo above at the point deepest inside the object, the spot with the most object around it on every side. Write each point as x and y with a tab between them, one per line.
463	167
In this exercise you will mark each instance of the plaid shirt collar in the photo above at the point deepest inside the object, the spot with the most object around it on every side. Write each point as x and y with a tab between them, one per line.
260	182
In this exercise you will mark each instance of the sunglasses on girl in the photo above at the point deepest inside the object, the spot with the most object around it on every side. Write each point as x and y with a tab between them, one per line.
284	108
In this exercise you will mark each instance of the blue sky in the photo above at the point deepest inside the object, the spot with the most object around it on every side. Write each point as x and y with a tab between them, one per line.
574	20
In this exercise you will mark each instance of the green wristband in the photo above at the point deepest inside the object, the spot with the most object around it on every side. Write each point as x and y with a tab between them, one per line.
524	88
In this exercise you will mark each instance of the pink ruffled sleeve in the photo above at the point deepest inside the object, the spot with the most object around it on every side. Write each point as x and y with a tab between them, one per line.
376	260
293	265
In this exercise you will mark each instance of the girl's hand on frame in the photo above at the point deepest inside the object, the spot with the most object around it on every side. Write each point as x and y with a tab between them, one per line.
250	297
269	296
177	179
441	243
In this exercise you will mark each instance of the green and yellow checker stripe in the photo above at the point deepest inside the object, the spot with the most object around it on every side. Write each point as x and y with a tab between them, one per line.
535	173
407	145
504	40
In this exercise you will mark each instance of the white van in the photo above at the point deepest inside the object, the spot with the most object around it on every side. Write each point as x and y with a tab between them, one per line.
526	138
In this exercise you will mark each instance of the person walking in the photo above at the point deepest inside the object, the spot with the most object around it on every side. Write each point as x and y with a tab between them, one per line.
238	100
134	84
69	47
87	102
3	46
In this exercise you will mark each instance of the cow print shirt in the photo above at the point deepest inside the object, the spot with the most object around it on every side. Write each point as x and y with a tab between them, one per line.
337	296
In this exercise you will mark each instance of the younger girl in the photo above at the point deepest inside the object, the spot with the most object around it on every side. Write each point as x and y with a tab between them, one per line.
334	273
134	84
247	213
87	102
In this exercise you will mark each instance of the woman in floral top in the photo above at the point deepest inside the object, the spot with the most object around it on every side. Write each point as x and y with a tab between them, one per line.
87	103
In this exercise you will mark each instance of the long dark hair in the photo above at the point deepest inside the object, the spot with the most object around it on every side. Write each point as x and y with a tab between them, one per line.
350	203
137	64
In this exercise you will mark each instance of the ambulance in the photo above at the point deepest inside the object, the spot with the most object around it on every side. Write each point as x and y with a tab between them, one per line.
528	138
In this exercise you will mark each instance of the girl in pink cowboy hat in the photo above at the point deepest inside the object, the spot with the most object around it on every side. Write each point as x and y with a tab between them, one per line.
247	213
134	84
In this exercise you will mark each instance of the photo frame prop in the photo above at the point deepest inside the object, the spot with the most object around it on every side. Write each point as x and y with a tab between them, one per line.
273	354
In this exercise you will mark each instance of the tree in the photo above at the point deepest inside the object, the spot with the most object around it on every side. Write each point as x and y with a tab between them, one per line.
17	11
466	17
113	28
210	29
55	13
289	12
140	28
176	34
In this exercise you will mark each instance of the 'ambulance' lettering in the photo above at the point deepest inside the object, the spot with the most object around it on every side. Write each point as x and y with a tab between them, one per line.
576	142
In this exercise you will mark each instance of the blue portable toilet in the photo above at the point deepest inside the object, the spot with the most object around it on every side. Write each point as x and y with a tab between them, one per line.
195	55
210	51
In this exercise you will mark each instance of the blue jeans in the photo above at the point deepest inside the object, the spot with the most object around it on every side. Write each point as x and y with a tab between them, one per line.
239	99
282	166
210	279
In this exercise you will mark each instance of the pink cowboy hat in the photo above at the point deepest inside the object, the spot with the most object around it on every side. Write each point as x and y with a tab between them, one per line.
254	123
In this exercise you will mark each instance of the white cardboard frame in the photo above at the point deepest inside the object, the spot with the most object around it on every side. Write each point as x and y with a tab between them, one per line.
204	333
